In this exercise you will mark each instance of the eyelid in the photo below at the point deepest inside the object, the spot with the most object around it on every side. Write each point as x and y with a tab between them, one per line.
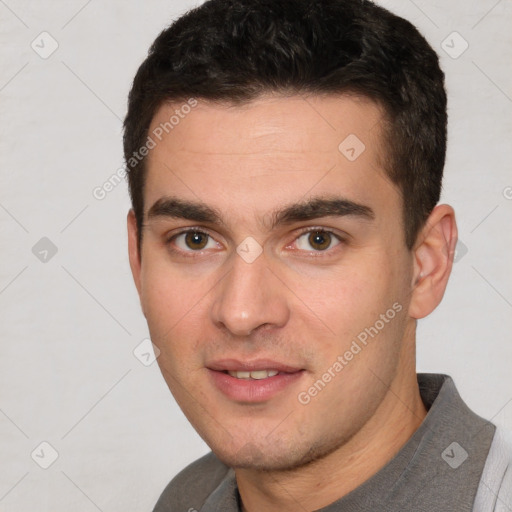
323	229
183	231
309	229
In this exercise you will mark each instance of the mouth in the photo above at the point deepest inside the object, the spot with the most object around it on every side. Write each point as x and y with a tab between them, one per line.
252	381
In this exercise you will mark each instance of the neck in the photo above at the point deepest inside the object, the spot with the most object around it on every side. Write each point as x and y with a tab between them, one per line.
321	483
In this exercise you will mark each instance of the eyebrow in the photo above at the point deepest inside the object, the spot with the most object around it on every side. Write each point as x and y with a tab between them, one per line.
313	208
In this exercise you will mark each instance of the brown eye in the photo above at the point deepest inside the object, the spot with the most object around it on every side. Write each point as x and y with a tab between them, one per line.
196	240
319	240
192	243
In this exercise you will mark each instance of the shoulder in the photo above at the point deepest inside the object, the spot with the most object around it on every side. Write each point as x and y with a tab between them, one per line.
495	489
190	488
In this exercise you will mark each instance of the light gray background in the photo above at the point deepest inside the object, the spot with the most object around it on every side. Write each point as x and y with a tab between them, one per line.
69	326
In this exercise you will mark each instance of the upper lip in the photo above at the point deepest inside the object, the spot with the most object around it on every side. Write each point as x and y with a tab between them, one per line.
234	365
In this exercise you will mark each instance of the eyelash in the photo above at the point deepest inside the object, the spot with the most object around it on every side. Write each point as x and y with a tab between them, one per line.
192	229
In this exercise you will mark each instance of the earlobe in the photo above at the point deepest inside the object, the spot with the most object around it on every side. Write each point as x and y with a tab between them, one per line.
133	250
433	260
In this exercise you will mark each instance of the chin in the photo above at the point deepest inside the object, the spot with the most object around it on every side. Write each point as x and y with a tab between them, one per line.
267	457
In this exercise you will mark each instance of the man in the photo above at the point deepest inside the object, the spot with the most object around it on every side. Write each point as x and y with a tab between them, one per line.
286	161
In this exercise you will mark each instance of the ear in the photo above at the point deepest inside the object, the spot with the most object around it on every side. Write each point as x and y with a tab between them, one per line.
433	259
133	250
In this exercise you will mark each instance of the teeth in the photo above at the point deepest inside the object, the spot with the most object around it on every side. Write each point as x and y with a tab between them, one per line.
240	375
257	374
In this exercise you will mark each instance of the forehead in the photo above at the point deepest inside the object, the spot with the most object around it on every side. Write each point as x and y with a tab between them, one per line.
272	150
313	122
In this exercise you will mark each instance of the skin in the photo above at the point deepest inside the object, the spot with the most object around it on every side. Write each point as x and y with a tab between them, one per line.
293	303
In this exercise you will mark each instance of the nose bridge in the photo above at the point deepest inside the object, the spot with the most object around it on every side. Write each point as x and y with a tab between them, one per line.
249	296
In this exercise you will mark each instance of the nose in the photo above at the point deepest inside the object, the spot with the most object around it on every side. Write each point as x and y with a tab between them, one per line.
249	296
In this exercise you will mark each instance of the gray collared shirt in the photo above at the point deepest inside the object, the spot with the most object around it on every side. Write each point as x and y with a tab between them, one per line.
437	469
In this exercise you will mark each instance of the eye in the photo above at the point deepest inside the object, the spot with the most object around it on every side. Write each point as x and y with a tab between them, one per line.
317	240
192	240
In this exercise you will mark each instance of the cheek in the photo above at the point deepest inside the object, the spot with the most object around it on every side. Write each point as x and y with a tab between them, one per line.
350	302
379	322
172	305
347	297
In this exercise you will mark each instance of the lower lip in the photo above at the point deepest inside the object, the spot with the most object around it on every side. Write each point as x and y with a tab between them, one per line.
253	390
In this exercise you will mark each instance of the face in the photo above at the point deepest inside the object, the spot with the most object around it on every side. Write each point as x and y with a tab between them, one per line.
274	273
